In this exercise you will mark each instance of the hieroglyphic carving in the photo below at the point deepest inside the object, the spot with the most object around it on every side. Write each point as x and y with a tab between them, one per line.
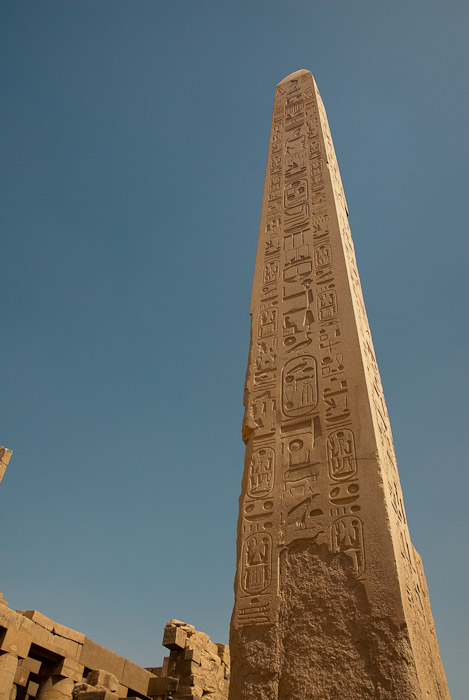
298	309
268	319
341	455
263	412
299	386
256	563
254	613
261	472
300	495
347	538
319	461
258	515
263	400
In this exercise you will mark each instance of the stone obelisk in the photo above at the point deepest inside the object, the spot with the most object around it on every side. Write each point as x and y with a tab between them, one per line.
331	600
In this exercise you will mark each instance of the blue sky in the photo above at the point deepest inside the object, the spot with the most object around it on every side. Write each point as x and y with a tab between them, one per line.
134	144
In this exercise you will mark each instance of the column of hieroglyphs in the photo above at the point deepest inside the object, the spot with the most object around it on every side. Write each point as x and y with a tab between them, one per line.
331	598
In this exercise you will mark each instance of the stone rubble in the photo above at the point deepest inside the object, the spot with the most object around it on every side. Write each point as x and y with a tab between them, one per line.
42	659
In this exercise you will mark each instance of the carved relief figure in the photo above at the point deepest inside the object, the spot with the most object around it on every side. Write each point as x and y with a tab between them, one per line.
266	354
322	256
261	472
267	322
256	563
299	386
347	538
341	455
327	304
296	193
271	271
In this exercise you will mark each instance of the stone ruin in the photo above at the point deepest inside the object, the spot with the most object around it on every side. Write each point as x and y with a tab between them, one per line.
43	659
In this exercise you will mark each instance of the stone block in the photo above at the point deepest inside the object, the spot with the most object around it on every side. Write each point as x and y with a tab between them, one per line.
107	680
135	677
39	619
96	695
31	665
186	692
212	648
8	666
123	691
56	688
155	670
9	618
68	633
160	686
174	638
199	640
224	652
52	642
21	676
32	689
95	656
180	623
16	641
192	655
197	686
69	668
26	624
190	667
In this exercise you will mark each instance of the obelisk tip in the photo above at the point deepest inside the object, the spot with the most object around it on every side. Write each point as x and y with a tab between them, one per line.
296	74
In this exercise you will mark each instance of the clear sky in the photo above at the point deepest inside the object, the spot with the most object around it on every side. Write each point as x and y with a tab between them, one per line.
134	143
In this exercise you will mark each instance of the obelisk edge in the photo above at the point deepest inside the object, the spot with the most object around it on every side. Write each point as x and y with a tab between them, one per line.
296	74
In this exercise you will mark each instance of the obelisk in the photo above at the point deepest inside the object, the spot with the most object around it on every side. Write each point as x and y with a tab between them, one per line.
330	596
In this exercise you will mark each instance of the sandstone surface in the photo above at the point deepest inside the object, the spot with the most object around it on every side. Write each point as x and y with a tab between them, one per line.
43	659
330	596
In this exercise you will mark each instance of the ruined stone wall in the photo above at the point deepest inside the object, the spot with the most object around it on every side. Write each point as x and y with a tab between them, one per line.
42	659
201	667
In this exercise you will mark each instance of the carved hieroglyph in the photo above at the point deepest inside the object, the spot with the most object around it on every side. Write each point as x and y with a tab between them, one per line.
331	599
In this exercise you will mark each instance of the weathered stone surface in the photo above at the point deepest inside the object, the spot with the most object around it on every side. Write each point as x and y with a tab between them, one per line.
47	640
8	667
95	694
32	689
5	455
31	665
68	633
331	600
195	665
199	667
162	686
99	685
16	641
68	668
136	677
21	676
39	619
56	688
107	680
94	656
